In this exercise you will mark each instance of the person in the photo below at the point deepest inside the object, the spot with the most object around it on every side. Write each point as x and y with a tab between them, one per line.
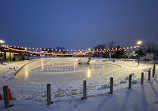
89	60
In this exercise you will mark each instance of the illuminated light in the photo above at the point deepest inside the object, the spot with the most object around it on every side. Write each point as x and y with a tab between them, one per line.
77	53
21	47
1	41
139	42
29	48
18	50
71	49
37	48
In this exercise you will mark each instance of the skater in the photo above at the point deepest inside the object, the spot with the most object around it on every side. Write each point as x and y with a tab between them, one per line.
89	60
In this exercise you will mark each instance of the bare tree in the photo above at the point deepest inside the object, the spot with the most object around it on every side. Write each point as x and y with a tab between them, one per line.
102	46
111	44
150	47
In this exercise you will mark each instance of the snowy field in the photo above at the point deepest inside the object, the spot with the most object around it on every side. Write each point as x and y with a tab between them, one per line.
28	87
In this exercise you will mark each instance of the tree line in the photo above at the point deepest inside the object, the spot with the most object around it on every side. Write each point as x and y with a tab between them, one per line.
147	47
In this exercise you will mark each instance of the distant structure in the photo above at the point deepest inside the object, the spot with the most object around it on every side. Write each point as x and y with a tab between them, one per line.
152	56
12	54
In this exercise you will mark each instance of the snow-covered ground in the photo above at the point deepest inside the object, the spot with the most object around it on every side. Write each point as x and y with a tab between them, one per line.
31	95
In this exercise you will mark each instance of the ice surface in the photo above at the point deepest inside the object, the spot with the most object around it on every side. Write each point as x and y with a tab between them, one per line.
63	69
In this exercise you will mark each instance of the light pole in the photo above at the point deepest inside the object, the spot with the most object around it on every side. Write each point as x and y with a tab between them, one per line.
1	42
139	43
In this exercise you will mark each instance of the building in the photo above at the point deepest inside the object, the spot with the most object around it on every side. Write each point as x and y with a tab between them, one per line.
12	53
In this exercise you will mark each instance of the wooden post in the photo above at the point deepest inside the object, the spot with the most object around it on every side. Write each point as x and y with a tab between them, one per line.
154	69
48	94
111	86
130	81
84	90
153	72
6	97
149	74
142	78
154	65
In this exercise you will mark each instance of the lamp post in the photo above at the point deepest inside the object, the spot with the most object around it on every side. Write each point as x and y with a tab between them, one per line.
139	43
1	42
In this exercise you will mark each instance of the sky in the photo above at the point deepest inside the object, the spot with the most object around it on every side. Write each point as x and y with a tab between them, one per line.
77	23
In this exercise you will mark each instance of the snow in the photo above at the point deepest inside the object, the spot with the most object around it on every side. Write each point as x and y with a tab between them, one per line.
31	95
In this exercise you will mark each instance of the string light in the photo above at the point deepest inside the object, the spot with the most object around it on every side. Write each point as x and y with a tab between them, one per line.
80	51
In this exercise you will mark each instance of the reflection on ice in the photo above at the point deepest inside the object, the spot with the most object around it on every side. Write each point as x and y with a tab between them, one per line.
26	72
50	68
88	73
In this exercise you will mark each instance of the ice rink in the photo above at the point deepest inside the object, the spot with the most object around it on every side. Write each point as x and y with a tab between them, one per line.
63	69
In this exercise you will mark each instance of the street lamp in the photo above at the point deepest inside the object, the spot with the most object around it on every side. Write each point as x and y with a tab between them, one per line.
139	43
1	42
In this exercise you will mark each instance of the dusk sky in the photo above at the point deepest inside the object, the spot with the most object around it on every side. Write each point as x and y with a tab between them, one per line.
77	23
